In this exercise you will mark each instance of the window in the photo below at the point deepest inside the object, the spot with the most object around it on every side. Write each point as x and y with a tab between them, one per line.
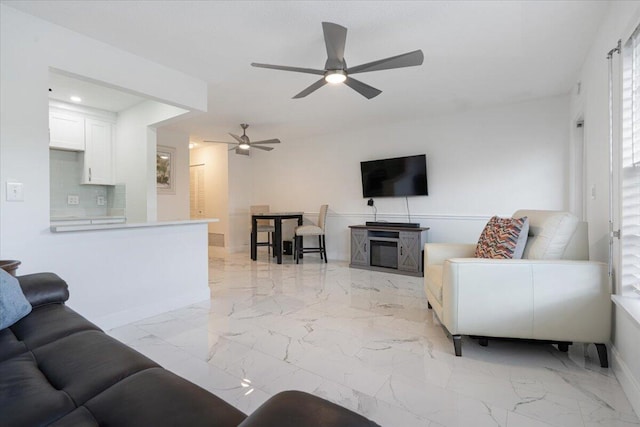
630	173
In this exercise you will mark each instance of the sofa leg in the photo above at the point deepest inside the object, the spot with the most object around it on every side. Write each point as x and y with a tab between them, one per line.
457	344
429	305
483	341
563	346
602	354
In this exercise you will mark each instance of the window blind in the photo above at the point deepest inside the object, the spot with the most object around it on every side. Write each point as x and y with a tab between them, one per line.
630	179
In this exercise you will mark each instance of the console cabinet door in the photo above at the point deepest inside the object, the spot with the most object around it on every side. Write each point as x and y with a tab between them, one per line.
66	131
409	252
359	249
98	155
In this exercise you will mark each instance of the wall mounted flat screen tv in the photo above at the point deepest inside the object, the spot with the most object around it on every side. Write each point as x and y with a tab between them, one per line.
397	177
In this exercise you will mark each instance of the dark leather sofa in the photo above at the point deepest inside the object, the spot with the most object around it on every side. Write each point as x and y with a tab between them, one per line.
59	369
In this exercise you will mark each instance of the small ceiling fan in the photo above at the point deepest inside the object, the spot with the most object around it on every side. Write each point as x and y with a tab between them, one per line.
336	70
243	143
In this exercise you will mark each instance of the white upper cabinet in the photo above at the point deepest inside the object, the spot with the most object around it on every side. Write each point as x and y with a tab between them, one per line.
88	131
98	153
66	131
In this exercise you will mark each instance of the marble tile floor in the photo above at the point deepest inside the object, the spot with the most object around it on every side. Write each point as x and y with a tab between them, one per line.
366	341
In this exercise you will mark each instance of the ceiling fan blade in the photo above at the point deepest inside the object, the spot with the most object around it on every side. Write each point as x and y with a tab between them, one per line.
263	148
234	148
363	89
409	59
335	38
222	142
237	138
317	85
266	141
287	68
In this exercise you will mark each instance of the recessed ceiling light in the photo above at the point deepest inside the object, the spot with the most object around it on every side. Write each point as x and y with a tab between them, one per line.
75	98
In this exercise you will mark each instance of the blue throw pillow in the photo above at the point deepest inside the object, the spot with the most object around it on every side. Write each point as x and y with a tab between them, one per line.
13	304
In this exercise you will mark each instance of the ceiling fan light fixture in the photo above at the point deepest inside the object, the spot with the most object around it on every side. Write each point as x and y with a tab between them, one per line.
335	76
243	144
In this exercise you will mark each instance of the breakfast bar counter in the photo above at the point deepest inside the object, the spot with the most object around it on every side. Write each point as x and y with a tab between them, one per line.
58	228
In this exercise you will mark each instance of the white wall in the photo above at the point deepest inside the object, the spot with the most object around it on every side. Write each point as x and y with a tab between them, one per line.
176	206
593	104
480	163
28	48
136	141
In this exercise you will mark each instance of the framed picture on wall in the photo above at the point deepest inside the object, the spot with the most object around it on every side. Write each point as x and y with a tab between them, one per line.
165	170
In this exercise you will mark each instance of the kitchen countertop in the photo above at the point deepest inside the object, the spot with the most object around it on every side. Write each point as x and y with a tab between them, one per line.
59	228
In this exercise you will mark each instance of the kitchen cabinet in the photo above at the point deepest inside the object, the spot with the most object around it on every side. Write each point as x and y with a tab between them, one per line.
66	131
98	153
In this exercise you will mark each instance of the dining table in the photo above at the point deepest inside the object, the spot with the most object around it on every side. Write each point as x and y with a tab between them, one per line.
277	218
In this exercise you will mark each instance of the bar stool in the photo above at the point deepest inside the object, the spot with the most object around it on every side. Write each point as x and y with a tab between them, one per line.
312	230
264	226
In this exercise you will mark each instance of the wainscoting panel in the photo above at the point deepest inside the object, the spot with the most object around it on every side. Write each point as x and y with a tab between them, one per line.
443	228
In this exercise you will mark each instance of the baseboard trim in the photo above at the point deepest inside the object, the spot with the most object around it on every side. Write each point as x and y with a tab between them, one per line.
629	384
391	216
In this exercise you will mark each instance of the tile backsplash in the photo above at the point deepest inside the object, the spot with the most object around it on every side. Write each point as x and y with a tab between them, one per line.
65	175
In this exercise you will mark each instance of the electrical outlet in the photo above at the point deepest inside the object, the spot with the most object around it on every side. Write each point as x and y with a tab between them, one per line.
73	200
100	200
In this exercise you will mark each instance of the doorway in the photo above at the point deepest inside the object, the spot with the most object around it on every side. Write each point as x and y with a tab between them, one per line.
197	192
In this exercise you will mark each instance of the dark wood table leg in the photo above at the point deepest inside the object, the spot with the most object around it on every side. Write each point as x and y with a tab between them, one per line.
254	237
299	239
277	244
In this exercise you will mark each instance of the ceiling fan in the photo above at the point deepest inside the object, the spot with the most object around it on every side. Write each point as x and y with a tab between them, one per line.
243	143
336	70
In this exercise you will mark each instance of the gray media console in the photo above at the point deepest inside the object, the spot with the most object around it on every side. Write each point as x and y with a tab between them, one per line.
393	249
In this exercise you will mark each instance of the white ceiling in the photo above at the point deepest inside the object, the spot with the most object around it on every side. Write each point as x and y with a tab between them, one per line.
62	87
477	53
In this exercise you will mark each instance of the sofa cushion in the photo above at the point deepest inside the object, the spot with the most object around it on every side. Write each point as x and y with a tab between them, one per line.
44	288
549	233
60	322
79	417
87	363
297	408
26	396
10	346
157	397
503	238
13	304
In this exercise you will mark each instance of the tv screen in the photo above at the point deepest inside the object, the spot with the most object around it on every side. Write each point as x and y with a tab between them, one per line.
397	177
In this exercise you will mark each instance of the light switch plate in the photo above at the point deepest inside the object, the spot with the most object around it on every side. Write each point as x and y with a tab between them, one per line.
15	192
100	200
73	199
